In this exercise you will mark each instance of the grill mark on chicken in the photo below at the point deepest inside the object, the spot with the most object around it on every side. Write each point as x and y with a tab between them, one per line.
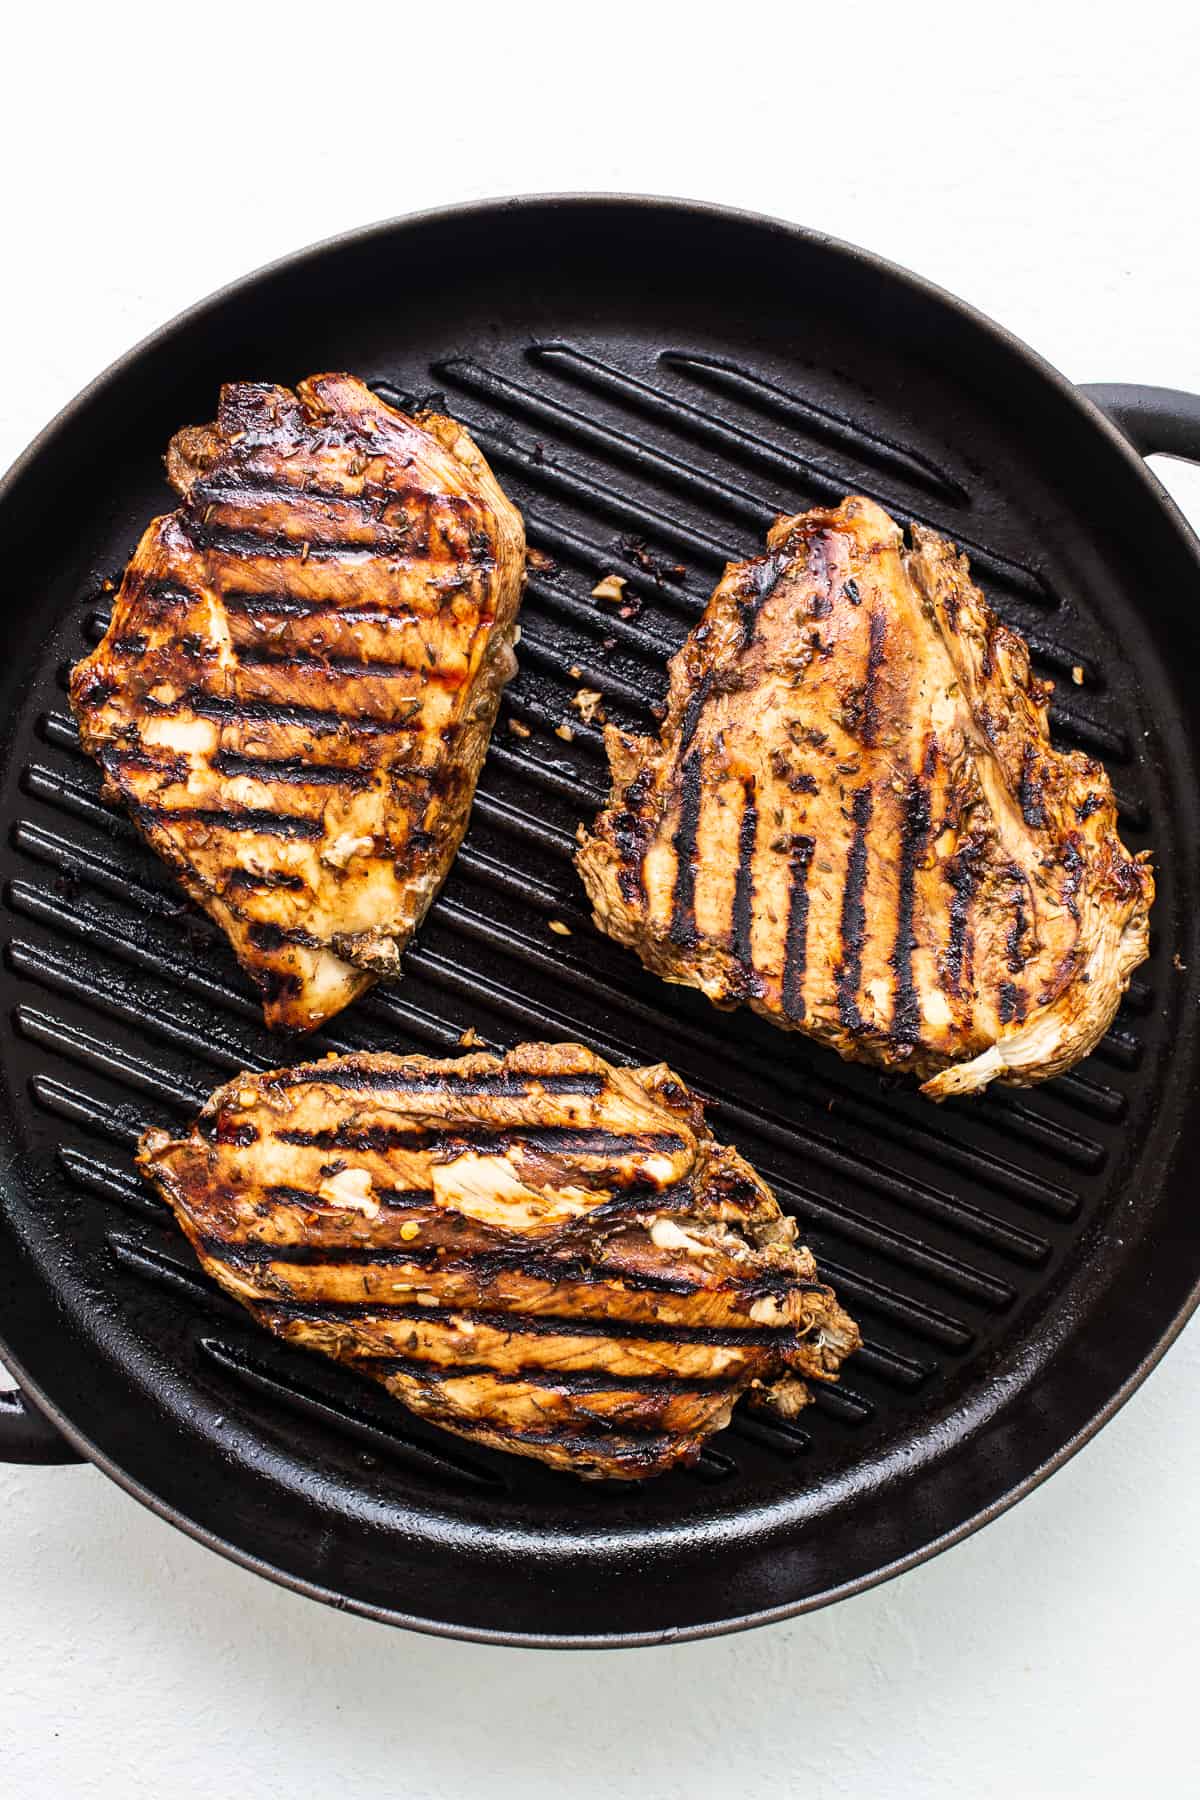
393	534
1072	863
875	661
539	1325
484	1266
1012	1003
914	834
691	715
263	934
291	606
848	974
171	768
259	881
683	917
795	952
963	872
291	770
600	1322
251	819
1016	931
367	501
238	543
742	917
404	1199
1029	792
262	656
164	597
371	1081
305	718
560	1140
761	579
560	1381
856	663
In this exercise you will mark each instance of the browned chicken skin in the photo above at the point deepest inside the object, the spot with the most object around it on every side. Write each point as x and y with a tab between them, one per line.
540	1251
302	673
854	821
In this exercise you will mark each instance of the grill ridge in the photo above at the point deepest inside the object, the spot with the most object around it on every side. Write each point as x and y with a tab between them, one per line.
843	433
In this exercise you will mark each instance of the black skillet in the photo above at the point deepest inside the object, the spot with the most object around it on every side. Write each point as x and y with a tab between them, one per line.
653	381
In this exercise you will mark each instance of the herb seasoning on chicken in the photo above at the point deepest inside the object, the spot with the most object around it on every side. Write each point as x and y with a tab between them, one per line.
854	821
540	1251
302	673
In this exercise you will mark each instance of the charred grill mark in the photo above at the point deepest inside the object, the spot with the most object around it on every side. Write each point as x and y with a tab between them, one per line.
115	758
263	824
1030	791
631	832
633	1446
547	1324
240	483
1073	870
290	770
97	693
561	1140
166	596
742	916
850	589
848	973
500	1085
875	660
795	948
400	1199
692	711
308	718
482	1266
239	543
683	912
1090	804
276	984
963	874
760	581
1011	1004
262	656
293	606
134	644
820	573
267	937
987	661
556	1381
1018	927
244	485
254	881
227	1131
914	835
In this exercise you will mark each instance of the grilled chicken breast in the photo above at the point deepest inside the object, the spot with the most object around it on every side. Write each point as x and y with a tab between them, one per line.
854	821
538	1251
302	673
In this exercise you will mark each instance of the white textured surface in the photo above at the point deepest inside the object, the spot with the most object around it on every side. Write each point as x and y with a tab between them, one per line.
1041	161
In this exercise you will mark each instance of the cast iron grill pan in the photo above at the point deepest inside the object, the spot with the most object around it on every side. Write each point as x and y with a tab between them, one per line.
653	383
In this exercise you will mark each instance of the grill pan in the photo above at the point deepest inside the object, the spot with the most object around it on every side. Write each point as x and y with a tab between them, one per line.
653	381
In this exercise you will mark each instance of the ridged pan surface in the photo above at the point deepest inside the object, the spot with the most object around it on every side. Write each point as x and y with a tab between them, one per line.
653	384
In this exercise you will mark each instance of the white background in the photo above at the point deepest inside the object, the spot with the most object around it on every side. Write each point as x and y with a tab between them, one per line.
1042	162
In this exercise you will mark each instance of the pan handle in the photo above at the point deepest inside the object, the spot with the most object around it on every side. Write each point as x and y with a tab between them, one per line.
1157	421
26	1434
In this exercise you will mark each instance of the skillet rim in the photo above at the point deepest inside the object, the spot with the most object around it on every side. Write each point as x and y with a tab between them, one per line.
1089	413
